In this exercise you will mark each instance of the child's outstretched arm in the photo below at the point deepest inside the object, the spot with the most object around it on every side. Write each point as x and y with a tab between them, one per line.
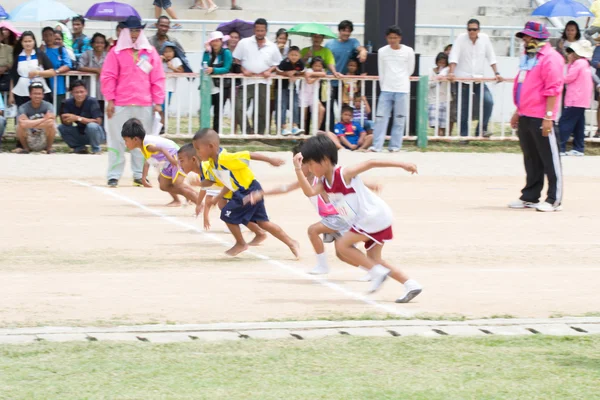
215	200
145	180
276	162
283	189
206	217
306	187
157	149
200	202
351	172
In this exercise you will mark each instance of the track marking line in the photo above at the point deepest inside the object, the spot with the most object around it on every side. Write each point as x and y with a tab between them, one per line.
288	268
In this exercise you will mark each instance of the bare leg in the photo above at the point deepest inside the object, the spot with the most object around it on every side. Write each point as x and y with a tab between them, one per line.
259	235
22	136
50	131
276	231
171	13
166	185
314	234
157	12
240	244
367	143
180	187
321	114
375	254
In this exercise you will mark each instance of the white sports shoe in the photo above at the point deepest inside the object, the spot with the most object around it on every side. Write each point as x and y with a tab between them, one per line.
522	204
575	153
379	274
394	149
547	207
413	289
373	150
320	270
562	154
366	277
286	132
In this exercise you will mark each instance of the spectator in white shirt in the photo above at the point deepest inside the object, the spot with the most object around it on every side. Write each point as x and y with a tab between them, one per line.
396	63
258	57
467	60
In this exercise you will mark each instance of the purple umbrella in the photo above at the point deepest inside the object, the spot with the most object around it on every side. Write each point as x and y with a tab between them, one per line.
111	11
244	28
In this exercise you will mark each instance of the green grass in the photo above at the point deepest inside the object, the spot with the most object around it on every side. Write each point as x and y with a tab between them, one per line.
535	367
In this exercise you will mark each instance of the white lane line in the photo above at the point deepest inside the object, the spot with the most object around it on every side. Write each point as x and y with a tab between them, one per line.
293	270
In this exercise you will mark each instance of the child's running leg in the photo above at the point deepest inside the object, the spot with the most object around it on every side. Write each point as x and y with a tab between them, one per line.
314	234
259	234
412	287
182	188
166	185
240	244
276	231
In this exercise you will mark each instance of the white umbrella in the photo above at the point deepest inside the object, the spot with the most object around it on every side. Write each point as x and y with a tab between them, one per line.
41	10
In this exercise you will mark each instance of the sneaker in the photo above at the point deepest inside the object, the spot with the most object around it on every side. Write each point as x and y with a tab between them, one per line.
379	274
522	204
413	289
487	134
82	150
366	277
212	9
236	8
320	270
113	183
286	132
138	182
575	153
562	154
547	207
394	149
297	131
373	150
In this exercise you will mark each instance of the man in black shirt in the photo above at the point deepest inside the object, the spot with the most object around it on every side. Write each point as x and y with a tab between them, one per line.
81	119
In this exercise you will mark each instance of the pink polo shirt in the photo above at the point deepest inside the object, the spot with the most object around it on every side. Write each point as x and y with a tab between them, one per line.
580	87
544	80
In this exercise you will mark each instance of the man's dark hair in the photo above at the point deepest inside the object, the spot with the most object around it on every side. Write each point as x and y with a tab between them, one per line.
577	35
282	31
345	24
99	35
261	21
187	149
133	128
77	83
441	56
473	21
297	148
448	47
294	48
234	31
36	85
48	28
78	18
319	148
163	17
347	109
393	29
318	59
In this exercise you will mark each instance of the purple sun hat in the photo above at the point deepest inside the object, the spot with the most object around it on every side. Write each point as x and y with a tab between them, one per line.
534	29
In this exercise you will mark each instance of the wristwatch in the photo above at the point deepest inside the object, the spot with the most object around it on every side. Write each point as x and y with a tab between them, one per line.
549	114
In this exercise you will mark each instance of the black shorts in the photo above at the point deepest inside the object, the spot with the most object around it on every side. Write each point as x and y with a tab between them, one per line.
164	4
238	213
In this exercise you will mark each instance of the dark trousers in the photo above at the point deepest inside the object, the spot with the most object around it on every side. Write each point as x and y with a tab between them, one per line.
217	111
572	121
240	108
333	92
488	107
541	157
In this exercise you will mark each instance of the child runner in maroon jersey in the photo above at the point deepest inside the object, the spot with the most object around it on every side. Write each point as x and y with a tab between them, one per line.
369	216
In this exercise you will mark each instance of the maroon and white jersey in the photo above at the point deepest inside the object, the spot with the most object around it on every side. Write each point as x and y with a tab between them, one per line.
354	202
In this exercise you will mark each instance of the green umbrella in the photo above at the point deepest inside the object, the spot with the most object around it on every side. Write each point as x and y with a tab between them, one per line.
312	28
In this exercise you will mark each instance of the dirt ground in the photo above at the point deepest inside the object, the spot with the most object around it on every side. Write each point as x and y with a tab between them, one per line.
76	254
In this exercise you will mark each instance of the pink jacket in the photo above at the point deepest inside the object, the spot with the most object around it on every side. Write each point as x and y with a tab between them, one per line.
580	85
544	80
125	83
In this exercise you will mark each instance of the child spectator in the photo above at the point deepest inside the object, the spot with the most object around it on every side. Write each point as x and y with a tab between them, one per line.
361	112
448	49
590	31
171	64
313	82
167	6
292	67
162	153
438	113
578	97
349	134
351	86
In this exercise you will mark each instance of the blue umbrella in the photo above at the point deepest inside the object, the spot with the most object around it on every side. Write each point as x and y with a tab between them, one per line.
562	8
41	10
3	13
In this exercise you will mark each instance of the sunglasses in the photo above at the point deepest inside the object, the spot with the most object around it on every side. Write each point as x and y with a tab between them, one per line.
472	29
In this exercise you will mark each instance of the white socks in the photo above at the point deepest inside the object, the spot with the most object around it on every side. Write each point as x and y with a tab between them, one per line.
322	267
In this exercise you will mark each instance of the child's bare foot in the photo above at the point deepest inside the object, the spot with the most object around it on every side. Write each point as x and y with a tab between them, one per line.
237	249
174	203
295	248
258	239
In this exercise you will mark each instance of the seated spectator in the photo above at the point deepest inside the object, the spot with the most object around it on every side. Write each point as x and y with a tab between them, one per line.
311	83
570	35
92	60
36	125
348	134
438	114
318	50
81	118
362	109
219	61
292	67
350	87
577	98
58	56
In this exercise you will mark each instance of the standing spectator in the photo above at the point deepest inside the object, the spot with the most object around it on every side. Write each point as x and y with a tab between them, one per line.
167	6
437	115
570	35
317	50
467	60
343	48
81	119
36	123
577	99
234	39
67	38
219	61
258	57
81	43
448	49
113	42
8	39
596	76
58	56
163	24
92	60
590	31
281	40
537	91
292	67
396	64
132	81
30	64
313	82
